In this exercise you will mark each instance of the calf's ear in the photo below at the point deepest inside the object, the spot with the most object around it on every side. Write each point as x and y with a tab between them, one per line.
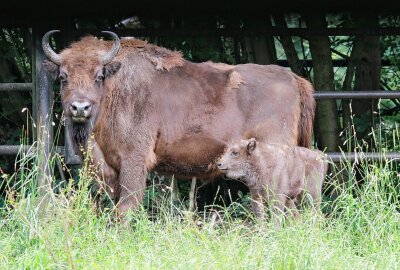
111	68
51	68
251	145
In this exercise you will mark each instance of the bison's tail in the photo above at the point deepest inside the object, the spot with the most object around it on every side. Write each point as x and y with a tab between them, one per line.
307	112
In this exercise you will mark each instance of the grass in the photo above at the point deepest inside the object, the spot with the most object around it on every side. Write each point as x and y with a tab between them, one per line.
358	229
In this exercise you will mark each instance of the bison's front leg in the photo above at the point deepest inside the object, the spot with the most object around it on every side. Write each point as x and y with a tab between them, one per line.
136	158
132	181
104	171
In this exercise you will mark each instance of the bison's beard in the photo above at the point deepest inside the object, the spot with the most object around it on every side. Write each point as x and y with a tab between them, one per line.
81	132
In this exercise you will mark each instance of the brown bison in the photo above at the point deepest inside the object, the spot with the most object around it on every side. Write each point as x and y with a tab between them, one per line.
279	174
150	109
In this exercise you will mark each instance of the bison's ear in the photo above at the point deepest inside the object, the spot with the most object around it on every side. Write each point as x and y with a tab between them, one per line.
251	145
111	68
51	68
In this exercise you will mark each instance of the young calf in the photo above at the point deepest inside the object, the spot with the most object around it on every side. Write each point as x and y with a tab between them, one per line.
279	174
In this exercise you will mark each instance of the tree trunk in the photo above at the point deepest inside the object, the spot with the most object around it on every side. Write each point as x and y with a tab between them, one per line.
327	131
260	50
290	51
364	71
367	77
355	57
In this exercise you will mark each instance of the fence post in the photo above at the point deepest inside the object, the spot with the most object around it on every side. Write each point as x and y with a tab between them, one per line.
72	155
43	103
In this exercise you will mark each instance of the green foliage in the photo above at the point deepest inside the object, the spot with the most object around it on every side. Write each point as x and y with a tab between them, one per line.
360	230
67	227
15	66
195	49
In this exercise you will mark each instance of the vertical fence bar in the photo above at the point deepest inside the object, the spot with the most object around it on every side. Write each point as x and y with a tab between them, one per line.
34	98
72	156
43	99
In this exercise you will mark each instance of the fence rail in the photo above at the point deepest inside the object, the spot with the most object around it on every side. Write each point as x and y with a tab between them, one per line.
364	94
16	86
12	150
246	32
73	159
337	156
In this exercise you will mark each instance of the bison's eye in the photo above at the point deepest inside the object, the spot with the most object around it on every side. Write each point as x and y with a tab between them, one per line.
234	153
99	78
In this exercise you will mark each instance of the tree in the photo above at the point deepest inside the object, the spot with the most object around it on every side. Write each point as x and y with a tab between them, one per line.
326	124
260	49
367	75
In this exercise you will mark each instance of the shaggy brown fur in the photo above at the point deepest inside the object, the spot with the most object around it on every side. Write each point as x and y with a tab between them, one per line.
151	109
277	173
307	108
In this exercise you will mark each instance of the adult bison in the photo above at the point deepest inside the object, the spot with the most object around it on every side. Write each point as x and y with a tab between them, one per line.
148	108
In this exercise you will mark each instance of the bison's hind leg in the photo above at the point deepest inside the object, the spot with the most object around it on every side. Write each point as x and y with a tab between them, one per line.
291	208
309	200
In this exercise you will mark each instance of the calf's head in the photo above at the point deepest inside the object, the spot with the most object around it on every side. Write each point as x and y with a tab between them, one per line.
81	70
235	161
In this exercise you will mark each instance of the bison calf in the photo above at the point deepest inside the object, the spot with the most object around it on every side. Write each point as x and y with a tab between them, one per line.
279	174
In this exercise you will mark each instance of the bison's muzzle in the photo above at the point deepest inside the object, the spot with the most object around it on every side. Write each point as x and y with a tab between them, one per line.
222	167
80	111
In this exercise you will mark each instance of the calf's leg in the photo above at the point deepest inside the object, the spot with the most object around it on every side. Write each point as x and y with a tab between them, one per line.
278	208
257	203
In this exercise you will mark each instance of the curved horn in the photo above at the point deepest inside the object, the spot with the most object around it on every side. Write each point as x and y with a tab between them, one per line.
48	51
105	59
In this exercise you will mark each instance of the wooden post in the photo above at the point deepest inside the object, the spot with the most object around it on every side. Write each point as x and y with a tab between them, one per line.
43	102
175	194
192	197
72	154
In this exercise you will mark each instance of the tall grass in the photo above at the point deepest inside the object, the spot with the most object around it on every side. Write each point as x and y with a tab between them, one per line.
357	229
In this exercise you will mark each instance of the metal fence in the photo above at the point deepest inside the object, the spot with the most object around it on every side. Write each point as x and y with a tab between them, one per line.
72	158
41	88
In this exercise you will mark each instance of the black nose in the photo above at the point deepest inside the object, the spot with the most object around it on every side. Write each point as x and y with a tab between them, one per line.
80	108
